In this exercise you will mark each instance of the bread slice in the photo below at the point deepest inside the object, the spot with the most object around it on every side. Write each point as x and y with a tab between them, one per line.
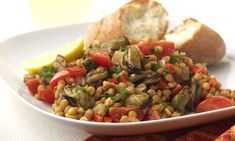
199	41
137	19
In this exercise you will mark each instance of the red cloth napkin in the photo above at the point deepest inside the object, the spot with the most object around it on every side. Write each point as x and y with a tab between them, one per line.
218	131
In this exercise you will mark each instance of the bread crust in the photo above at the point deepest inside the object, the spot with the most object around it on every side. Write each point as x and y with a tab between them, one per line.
112	26
205	46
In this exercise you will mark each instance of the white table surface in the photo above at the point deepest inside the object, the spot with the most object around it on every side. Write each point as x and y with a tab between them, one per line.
18	122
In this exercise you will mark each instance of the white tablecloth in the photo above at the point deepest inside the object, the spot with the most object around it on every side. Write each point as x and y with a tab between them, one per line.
18	122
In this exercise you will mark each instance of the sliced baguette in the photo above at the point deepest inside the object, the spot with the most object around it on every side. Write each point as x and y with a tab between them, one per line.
137	19
199	41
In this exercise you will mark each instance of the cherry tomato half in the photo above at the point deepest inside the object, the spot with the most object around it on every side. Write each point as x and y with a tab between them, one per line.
46	94
213	103
32	85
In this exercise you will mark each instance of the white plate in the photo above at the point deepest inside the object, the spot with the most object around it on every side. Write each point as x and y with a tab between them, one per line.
13	51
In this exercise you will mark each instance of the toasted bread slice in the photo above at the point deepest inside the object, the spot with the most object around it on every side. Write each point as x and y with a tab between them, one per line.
137	19
199	41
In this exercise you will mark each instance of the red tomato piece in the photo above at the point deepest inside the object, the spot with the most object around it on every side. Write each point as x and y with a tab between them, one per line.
107	119
98	118
176	90
213	103
113	80
162	84
66	72
167	48
117	113
124	76
214	83
101	58
169	67
152	114
32	85
199	69
46	94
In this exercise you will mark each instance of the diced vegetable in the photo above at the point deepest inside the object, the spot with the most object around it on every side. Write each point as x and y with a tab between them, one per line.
148	48
213	103
141	100
199	69
98	118
101	58
32	84
174	57
181	100
46	94
176	90
124	76
169	67
152	114
122	95
113	80
66	73
117	113
48	72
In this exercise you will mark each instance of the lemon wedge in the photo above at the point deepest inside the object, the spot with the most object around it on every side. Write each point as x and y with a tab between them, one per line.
71	51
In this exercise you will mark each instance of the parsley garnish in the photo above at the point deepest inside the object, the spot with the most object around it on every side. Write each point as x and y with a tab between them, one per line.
157	49
122	95
165	72
79	90
123	49
118	70
174	58
154	67
48	72
107	95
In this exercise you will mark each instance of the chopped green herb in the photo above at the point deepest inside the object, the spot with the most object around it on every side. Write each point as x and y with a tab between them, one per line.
174	58
122	95
107	95
48	72
154	67
79	90
94	47
123	49
217	93
118	70
89	64
157	49
165	72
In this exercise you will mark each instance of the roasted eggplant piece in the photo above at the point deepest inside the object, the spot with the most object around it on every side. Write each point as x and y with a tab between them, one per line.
146	77
78	96
141	100
116	43
140	88
119	42
196	96
180	101
89	64
185	75
96	75
152	78
135	78
59	62
132	59
117	57
100	107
